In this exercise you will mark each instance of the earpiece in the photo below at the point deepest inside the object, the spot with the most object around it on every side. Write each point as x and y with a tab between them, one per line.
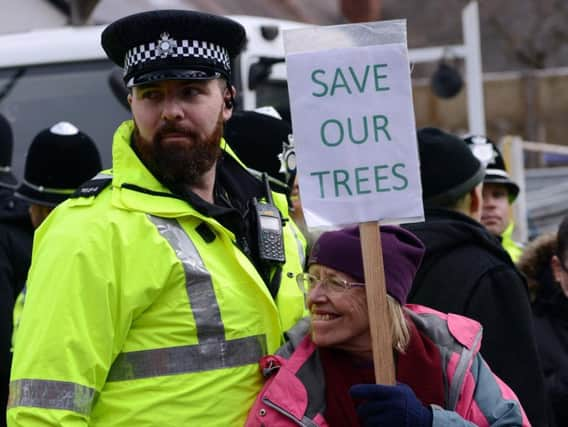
228	103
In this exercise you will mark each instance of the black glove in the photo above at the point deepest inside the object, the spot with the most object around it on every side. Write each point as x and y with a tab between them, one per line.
386	405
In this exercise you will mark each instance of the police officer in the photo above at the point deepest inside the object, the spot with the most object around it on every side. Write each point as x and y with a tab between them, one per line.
16	234
157	288
499	194
58	161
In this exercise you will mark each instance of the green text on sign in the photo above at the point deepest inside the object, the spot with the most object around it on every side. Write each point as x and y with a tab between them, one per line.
361	180
332	131
349	80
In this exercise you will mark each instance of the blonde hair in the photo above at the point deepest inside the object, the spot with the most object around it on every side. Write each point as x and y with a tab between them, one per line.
400	332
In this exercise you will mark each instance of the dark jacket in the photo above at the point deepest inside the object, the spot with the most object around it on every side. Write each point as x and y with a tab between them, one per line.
466	271
16	234
550	314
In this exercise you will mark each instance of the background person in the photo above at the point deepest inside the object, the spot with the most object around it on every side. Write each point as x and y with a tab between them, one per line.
545	263
58	161
325	376
499	194
16	235
149	302
466	270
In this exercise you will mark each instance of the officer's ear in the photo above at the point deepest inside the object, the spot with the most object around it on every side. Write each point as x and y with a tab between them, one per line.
129	98
228	101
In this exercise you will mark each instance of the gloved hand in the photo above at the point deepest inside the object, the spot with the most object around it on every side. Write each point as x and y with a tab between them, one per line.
390	406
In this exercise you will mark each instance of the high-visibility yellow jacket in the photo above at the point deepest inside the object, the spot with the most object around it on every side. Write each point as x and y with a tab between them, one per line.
514	249
136	317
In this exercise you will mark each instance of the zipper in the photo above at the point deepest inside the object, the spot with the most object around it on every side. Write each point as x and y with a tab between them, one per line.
283	412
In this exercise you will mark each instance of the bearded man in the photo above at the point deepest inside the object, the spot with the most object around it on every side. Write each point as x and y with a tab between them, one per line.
149	301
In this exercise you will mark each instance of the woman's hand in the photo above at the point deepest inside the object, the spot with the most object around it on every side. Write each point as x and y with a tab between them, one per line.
386	405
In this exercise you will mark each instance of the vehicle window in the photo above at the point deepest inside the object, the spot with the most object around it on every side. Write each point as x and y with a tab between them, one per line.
34	98
275	93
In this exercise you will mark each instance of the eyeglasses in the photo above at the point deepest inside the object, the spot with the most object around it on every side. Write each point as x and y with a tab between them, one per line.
307	282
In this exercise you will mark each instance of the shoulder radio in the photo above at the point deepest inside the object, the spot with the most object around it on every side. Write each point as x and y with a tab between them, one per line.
269	226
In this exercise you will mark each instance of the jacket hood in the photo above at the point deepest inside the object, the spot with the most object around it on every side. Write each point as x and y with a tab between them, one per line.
547	296
445	230
535	261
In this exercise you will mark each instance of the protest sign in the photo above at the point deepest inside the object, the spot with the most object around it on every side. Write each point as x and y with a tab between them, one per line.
355	137
354	126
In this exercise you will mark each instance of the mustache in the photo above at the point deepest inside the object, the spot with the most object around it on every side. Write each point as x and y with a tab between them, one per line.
168	128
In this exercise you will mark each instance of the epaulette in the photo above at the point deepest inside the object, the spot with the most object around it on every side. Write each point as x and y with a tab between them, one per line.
93	186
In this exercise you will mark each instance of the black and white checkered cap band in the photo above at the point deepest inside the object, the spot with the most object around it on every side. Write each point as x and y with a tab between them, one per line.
168	47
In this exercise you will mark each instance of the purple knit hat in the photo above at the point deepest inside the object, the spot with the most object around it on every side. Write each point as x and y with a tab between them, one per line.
402	254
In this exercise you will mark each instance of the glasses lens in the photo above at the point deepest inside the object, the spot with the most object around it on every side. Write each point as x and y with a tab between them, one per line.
311	281
306	281
336	284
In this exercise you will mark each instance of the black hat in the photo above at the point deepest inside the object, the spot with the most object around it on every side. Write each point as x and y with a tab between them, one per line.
448	168
7	178
173	45
495	171
261	141
59	160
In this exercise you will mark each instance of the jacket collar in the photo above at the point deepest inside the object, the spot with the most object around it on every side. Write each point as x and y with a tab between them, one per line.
134	186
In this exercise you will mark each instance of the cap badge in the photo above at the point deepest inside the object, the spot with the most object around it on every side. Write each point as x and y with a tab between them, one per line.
166	45
483	150
287	158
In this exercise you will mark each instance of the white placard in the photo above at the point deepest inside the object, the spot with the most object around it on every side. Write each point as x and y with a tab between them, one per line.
355	135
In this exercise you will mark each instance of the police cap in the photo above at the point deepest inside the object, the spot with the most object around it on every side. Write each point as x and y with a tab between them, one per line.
58	161
173	45
496	172
7	179
261	141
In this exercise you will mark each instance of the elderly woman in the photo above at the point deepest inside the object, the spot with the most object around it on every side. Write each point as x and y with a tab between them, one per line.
324	375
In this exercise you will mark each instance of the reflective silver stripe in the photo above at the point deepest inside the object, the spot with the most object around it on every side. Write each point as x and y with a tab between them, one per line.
212	351
301	249
5	168
188	359
199	286
51	395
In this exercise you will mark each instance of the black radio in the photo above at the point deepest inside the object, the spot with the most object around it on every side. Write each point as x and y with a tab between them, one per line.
269	226
270	238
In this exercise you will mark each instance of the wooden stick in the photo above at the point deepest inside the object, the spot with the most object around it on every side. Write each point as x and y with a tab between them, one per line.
379	321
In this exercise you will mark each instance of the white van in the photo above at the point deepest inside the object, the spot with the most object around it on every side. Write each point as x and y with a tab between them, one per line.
52	75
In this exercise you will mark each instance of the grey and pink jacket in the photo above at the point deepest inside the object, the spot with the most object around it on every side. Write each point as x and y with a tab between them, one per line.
294	392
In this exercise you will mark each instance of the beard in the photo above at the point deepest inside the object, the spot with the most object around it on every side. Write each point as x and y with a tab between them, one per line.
179	165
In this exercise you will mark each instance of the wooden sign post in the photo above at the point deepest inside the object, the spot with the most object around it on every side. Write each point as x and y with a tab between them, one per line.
379	321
